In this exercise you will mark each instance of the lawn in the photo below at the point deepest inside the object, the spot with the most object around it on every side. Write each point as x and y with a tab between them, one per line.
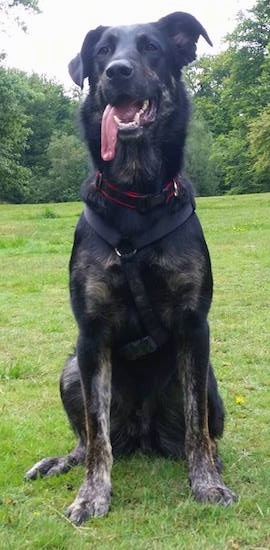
152	506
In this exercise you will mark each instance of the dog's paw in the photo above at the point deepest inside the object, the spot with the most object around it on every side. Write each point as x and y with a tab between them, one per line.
213	492
81	510
89	503
48	467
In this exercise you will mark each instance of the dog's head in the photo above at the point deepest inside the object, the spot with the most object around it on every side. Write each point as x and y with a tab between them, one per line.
135	90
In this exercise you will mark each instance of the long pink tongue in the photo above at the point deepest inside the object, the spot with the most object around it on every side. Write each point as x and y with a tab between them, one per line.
126	113
108	133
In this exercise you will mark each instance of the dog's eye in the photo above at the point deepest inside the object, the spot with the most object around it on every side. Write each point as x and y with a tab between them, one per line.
103	50
145	44
150	47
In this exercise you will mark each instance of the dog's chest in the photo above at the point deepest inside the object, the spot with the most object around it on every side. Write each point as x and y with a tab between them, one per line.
170	284
174	284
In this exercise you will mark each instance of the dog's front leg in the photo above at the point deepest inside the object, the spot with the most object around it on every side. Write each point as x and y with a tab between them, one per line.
93	498
206	483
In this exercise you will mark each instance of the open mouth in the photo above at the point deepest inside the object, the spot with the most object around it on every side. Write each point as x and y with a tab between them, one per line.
126	118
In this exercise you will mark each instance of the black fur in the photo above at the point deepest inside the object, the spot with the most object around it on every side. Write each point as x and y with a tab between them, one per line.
166	401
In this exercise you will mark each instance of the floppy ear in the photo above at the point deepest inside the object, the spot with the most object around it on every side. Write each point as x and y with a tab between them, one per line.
75	69
81	66
184	31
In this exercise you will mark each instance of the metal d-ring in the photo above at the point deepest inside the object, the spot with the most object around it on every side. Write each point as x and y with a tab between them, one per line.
175	188
125	255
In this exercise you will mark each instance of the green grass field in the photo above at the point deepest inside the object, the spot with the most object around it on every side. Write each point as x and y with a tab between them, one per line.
152	506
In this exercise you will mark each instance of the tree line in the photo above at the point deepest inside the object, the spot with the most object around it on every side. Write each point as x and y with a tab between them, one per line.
42	155
43	158
231	96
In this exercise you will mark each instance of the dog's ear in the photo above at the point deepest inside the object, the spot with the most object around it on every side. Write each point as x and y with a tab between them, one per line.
80	67
75	69
183	31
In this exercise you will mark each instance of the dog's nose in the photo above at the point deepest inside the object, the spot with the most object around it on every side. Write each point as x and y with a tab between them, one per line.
120	68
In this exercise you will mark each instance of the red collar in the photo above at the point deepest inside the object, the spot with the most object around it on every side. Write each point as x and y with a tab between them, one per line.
134	200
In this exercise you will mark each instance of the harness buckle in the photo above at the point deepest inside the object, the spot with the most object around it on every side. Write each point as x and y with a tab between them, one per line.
125	250
99	178
138	348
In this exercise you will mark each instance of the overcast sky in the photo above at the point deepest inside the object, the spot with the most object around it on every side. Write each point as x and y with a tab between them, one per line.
56	35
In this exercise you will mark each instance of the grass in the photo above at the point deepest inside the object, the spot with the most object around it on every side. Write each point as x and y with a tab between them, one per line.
152	507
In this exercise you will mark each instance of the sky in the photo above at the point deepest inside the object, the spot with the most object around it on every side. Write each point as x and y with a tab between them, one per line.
55	36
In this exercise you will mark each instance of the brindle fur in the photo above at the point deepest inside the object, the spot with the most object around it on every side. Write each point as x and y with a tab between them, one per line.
166	401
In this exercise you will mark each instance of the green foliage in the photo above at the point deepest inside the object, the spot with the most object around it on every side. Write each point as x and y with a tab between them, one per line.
207	80
231	164
33	110
228	144
14	132
48	109
69	165
252	33
12	11
198	161
232	91
259	138
27	4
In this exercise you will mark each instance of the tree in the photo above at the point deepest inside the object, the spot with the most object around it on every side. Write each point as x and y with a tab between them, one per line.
14	132
232	164
198	163
48	109
32	109
232	90
27	4
252	32
259	139
69	165
11	12
208	81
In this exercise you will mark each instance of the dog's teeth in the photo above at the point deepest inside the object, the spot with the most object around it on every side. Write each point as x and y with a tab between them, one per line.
117	120
124	125
145	105
137	117
141	111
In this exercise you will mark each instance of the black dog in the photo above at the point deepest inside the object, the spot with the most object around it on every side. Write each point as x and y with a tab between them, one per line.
140	273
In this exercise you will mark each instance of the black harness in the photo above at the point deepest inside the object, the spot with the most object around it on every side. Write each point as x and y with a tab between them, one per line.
126	250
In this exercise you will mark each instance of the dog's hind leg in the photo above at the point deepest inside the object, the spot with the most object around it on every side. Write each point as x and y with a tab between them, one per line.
72	397
54	466
216	412
71	394
216	416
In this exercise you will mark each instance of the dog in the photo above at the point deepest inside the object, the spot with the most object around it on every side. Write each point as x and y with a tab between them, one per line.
140	272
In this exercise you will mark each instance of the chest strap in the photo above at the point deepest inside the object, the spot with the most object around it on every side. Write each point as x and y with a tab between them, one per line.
164	226
157	335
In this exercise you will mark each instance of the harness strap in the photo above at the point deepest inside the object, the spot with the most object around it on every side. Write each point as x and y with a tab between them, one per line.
126	249
157	334
164	226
